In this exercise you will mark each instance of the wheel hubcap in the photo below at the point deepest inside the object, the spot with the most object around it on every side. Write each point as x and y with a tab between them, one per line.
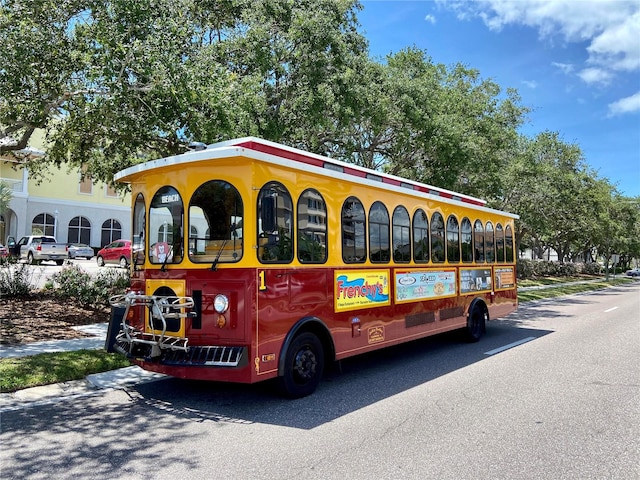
305	364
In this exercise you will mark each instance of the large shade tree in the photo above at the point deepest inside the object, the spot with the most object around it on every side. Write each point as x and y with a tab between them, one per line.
118	82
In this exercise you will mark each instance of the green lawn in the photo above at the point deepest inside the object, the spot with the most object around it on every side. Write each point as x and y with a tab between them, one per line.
47	368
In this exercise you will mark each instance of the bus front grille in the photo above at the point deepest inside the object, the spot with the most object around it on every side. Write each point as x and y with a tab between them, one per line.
209	356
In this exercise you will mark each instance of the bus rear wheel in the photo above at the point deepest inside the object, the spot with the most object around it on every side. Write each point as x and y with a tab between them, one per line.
304	366
476	323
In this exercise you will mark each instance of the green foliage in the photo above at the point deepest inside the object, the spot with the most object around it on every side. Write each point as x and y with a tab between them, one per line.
16	279
592	268
116	83
48	368
527	269
6	194
71	282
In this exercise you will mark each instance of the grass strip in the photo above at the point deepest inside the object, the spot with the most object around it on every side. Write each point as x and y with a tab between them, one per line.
542	281
570	289
56	367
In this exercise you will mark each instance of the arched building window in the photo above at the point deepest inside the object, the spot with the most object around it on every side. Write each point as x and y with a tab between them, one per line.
43	224
79	230
111	230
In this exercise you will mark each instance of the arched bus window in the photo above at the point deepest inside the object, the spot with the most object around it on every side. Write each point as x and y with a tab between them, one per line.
401	235
488	244
453	240
275	224
420	237
379	244
466	238
499	244
437	238
508	243
166	213
478	240
354	246
312	227
216	213
139	229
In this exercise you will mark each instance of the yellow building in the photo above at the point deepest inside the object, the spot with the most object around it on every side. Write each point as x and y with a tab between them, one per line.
71	209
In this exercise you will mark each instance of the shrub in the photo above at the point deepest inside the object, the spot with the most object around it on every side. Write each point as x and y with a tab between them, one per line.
16	279
524	269
566	269
544	268
592	268
73	282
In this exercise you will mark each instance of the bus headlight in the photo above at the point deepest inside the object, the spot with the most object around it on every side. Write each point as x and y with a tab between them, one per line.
221	303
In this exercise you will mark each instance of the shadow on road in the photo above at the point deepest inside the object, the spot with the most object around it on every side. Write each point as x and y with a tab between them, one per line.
153	416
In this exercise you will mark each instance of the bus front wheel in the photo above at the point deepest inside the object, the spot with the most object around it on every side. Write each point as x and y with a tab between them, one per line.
304	365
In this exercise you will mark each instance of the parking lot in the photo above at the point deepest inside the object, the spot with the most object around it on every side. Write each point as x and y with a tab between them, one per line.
41	273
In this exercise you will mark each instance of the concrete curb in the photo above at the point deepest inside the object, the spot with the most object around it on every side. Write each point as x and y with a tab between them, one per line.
91	385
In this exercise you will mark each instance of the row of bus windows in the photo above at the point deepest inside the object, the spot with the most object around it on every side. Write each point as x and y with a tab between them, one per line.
424	239
216	212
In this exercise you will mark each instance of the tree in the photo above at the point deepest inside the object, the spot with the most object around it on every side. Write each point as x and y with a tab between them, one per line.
115	83
617	228
552	189
6	194
294	63
421	120
40	68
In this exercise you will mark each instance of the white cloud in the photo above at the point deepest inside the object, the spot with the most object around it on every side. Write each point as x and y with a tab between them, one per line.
431	19
626	105
609	27
618	46
596	75
566	68
530	83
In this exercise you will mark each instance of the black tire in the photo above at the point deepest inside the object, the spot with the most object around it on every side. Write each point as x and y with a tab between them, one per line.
123	262
100	261
303	367
476	323
31	260
59	262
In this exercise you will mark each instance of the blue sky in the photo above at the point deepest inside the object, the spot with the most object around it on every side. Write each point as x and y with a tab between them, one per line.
575	63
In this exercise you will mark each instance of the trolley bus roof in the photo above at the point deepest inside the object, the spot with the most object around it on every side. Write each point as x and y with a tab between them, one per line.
271	152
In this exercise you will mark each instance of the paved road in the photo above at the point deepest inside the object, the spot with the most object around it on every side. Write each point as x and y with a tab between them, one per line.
550	392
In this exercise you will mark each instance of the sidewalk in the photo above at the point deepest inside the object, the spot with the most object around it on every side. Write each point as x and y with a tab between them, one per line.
91	385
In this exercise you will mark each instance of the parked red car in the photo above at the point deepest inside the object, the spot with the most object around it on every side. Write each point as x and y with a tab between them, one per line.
118	253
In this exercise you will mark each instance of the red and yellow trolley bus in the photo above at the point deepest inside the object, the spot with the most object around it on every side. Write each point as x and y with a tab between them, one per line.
252	260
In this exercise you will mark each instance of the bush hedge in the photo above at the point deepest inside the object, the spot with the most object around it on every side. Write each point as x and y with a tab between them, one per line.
545	268
71	282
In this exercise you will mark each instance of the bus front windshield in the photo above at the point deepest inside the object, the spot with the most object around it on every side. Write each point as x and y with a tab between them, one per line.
215	223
